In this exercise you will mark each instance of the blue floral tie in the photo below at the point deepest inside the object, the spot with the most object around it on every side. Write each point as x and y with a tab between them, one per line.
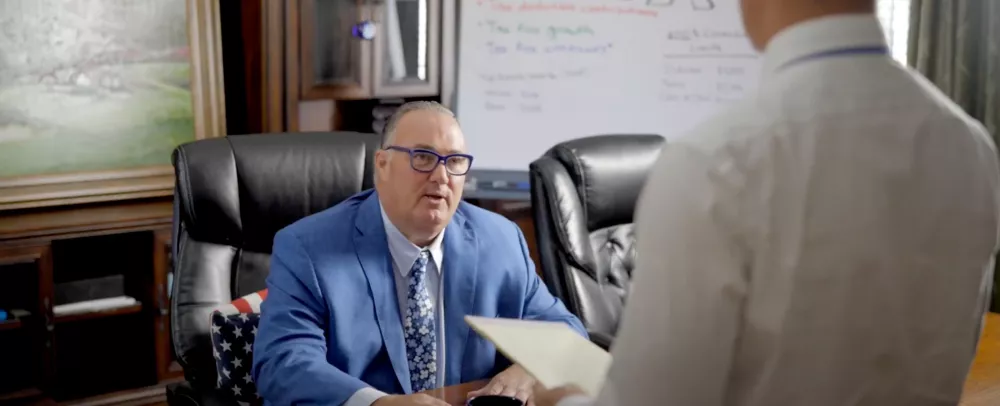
418	329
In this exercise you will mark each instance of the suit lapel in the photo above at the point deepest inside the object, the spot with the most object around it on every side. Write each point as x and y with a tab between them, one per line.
373	253
460	253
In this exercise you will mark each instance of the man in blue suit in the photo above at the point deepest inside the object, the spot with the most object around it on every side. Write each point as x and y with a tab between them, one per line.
366	299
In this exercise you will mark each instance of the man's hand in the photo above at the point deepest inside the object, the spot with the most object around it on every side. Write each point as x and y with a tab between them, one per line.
416	399
552	397
513	381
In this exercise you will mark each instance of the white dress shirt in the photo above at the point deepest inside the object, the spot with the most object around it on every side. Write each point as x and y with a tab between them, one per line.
829	242
404	253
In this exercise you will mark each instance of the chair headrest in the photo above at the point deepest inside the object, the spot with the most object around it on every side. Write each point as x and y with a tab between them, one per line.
609	172
240	190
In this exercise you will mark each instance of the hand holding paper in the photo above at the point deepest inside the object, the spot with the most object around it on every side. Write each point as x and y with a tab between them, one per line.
550	351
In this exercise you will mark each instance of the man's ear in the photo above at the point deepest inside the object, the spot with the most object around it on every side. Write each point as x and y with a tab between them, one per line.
381	162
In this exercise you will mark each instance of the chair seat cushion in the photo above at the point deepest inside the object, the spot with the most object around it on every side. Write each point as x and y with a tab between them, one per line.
234	328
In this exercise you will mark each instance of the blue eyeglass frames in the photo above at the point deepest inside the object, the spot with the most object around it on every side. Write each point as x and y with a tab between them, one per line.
425	160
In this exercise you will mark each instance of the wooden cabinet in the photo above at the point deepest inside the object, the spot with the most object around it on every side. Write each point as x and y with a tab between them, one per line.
359	49
312	63
166	365
25	274
406	58
61	356
334	64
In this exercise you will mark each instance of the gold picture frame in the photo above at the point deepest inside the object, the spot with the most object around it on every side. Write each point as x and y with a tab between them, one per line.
208	111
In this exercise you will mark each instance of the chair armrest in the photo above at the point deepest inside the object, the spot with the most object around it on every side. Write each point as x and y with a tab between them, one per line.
601	339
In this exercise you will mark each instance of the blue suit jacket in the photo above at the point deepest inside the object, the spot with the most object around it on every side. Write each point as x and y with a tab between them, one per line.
331	326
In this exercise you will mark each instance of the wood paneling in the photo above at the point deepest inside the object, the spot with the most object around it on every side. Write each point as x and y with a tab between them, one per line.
291	67
273	42
243	63
251	18
167	366
70	222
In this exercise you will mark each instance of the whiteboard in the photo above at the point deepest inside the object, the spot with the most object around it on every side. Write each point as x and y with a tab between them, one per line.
532	74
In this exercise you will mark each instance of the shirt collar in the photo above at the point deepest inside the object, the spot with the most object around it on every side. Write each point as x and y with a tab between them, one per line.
404	253
822	34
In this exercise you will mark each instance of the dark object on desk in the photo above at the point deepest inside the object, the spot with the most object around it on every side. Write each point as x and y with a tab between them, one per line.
89	289
583	194
232	196
494	400
497	184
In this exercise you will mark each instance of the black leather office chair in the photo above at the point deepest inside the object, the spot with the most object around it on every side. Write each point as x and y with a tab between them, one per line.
583	194
232	195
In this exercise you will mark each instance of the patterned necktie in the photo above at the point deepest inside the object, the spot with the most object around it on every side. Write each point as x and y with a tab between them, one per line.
418	328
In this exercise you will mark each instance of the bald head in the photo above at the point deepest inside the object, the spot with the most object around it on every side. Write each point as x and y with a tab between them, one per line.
389	133
764	19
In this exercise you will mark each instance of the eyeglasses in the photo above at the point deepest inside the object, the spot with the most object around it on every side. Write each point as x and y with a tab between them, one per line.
425	160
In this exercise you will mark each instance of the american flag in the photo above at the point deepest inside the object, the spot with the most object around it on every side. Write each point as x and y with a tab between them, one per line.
234	328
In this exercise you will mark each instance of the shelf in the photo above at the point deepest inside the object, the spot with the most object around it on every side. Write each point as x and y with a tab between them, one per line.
10	324
120	311
22	394
75	221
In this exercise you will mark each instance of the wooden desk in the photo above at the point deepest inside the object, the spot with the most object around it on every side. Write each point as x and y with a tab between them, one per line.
456	395
982	388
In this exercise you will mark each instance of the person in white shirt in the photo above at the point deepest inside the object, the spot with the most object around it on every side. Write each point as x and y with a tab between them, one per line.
828	242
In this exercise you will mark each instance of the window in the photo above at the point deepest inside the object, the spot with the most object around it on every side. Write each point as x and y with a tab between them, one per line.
895	18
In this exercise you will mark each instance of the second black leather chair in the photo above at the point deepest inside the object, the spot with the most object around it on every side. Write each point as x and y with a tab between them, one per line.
583	194
233	194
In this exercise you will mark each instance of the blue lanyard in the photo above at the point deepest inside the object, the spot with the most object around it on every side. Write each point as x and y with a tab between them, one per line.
862	50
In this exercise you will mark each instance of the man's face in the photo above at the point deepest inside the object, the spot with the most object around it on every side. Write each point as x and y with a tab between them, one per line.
422	202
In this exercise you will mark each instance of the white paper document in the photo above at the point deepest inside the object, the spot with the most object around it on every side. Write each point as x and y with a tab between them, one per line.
96	305
552	352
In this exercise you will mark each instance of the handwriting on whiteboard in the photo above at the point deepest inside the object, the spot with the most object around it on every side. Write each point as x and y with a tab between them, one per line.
701	60
549	31
507	96
699	5
699	81
705	65
533	76
707	42
647	8
547	34
641	10
494	48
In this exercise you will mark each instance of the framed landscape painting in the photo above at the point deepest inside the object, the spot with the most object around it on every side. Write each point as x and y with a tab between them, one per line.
96	94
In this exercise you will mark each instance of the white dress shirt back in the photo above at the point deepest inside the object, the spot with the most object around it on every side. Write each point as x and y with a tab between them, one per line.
829	242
